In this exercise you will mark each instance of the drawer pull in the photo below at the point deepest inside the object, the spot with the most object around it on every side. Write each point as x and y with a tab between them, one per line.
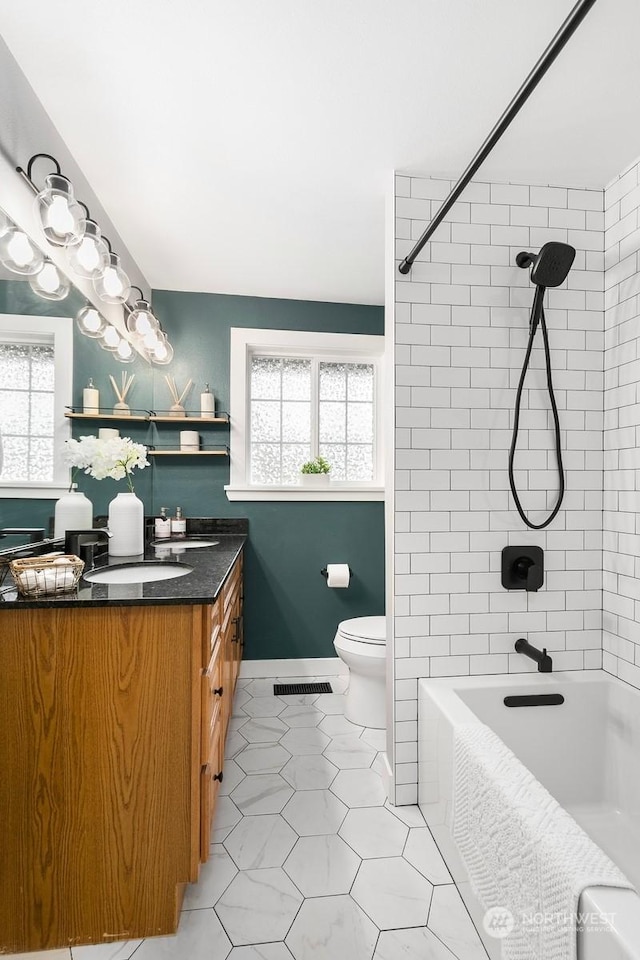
219	691
219	776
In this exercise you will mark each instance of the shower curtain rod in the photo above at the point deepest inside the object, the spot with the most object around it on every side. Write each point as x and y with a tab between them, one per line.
566	31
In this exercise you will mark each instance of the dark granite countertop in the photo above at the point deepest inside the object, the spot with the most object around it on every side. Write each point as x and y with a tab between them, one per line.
211	566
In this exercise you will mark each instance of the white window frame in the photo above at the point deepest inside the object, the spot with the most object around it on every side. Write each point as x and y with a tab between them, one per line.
332	347
56	332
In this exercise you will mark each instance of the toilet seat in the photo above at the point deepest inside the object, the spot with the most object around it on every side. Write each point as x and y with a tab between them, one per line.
367	630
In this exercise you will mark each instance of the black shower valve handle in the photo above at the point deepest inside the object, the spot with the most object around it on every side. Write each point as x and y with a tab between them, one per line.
526	569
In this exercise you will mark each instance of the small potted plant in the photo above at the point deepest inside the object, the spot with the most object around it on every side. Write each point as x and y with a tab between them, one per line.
315	473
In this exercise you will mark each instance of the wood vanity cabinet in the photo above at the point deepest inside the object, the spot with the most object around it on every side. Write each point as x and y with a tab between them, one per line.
112	727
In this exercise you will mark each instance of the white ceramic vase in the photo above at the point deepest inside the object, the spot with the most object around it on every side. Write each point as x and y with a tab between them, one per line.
73	511
126	525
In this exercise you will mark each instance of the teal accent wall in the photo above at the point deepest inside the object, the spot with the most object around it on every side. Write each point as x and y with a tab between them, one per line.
289	610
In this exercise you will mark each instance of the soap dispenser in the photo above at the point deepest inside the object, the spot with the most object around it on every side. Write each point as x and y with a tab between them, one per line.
162	525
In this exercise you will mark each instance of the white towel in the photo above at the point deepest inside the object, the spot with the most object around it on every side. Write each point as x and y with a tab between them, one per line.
522	850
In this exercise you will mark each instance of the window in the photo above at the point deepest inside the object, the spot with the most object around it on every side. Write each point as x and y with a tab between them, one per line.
35	385
295	395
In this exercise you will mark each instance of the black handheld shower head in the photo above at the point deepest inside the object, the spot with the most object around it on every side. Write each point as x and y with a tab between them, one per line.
550	267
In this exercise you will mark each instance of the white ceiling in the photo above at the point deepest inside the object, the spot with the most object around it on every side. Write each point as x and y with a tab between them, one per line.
247	147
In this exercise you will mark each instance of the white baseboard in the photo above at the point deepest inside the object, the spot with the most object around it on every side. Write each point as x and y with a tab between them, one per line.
304	667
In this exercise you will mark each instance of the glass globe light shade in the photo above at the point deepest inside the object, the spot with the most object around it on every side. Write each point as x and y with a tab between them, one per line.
163	353
141	320
50	283
114	285
110	339
125	352
90	322
151	339
90	257
61	216
19	254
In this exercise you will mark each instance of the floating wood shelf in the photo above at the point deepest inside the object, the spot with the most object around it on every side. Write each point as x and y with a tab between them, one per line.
165	418
147	416
106	416
188	453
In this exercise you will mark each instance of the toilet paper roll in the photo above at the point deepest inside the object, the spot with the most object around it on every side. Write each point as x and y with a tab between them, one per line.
107	433
189	440
338	575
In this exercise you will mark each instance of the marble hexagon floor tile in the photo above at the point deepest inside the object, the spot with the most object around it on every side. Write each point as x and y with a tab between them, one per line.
392	893
215	876
421	851
262	758
264	707
314	812
374	832
411	944
200	936
322	866
337	725
225	819
375	738
301	715
262	793
330	703
123	950
303	741
359	788
233	774
449	920
262	730
234	743
332	928
258	842
311	772
349	752
261	951
258	906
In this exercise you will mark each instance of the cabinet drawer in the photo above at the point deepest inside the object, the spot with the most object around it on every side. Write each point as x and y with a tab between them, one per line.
210	780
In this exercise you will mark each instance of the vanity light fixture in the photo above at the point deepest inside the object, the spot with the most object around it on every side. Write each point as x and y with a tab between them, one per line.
125	352
110	339
114	285
163	352
60	214
90	322
90	258
19	254
141	319
50	283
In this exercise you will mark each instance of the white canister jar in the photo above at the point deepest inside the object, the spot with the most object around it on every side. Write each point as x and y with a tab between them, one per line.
126	526
73	511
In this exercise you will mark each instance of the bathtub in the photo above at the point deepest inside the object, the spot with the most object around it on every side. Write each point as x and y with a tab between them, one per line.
586	752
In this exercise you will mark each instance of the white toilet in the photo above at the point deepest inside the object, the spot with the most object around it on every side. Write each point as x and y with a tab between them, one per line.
361	643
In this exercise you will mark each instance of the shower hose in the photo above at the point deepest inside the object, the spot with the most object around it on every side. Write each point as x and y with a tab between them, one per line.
537	316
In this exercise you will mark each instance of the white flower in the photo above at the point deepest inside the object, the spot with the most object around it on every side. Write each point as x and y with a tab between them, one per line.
114	457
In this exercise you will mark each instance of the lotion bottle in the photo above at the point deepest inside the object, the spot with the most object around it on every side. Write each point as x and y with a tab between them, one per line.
178	525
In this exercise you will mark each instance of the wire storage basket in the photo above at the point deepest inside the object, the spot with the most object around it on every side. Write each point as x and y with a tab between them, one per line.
46	576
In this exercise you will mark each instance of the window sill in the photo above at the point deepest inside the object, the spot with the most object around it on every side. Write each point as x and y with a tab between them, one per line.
33	491
334	492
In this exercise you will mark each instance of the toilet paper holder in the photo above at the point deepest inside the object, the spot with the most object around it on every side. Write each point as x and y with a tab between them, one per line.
325	572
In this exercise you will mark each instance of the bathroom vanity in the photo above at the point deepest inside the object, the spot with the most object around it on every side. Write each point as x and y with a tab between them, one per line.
115	702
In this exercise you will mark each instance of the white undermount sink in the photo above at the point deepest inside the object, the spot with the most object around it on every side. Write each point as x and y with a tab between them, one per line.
143	572
184	544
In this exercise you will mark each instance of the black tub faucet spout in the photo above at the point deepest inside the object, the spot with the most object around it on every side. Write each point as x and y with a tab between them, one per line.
541	657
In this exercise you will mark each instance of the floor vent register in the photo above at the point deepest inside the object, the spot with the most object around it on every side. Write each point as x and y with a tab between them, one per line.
288	689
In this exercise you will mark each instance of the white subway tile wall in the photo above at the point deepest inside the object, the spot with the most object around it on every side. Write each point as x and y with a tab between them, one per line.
621	550
461	329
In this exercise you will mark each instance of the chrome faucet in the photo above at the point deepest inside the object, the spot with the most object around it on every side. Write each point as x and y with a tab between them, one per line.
541	657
